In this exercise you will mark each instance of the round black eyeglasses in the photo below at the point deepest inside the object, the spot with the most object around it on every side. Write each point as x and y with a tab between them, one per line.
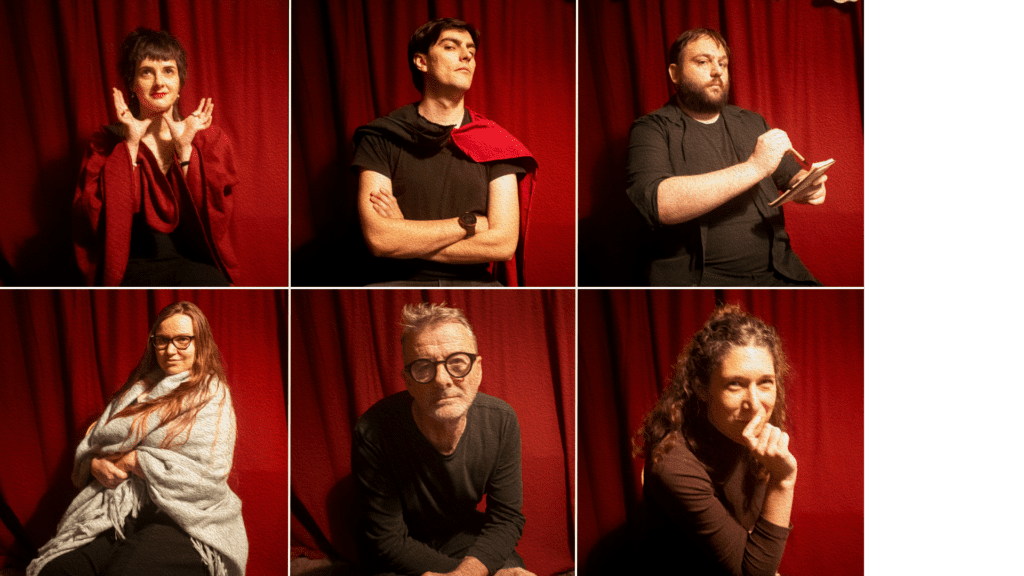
458	365
180	342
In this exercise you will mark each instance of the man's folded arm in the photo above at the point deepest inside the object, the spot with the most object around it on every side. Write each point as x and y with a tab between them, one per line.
398	237
498	242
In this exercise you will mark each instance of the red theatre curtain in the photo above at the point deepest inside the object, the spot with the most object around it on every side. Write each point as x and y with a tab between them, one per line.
64	354
346	356
628	344
798	63
59	63
350	66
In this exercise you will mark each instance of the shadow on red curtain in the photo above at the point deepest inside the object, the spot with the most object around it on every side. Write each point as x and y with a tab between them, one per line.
66	353
350	66
628	344
346	356
798	63
59	63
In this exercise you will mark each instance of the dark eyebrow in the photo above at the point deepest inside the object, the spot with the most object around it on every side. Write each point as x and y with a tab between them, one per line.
455	40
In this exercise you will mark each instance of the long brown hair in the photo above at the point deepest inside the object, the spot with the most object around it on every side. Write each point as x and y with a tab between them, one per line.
682	411
179	407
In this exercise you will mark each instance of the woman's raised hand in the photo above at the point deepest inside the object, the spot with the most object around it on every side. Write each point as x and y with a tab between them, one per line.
183	131
107	472
133	127
771	447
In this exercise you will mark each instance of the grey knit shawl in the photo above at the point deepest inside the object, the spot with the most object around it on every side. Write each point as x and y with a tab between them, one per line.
187	481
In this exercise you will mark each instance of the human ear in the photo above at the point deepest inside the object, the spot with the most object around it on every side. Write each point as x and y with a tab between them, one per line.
673	73
420	60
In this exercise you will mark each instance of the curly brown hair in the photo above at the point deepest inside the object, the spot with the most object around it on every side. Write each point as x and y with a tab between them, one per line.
682	411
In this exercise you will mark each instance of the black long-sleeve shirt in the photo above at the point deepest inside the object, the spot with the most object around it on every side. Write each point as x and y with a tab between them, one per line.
416	500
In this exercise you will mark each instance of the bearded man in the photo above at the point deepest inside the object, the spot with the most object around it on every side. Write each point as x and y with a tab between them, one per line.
424	459
702	173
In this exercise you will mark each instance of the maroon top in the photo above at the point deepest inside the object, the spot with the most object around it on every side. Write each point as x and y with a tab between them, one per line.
111	191
703	516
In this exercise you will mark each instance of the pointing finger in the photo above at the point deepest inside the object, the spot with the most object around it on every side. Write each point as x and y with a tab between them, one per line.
748	430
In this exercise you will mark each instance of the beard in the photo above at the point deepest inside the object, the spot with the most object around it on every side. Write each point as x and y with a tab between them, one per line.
452	409
695	97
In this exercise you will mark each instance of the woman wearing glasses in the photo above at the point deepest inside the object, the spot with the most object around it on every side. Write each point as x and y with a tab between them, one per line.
719	476
154	468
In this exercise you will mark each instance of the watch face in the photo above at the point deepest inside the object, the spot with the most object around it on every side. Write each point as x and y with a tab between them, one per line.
468	219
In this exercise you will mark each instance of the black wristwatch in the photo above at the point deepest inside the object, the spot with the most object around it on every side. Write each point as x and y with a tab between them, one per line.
468	221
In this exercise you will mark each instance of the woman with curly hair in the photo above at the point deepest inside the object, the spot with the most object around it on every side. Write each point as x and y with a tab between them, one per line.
153	202
719	474
153	469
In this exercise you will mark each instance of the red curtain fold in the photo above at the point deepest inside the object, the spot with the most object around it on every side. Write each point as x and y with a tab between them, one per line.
59	63
346	356
350	66
798	63
628	344
65	353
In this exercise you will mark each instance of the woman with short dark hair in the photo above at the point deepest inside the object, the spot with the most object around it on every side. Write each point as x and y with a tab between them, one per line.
152	206
153	469
719	476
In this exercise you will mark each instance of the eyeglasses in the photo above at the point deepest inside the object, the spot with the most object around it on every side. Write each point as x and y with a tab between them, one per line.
180	342
458	365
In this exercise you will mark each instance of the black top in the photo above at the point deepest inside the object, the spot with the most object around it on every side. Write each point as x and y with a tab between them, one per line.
430	178
415	499
738	238
703	515
663	144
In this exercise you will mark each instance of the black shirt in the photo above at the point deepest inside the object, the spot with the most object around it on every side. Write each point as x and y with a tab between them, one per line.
416	499
431	179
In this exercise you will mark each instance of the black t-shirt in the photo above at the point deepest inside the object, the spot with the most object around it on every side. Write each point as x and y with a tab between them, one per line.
432	180
738	238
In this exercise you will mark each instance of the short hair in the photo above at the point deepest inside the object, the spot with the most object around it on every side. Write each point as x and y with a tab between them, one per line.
692	36
682	410
416	318
426	36
143	43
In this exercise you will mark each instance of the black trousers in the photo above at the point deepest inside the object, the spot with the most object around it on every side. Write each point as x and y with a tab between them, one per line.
154	545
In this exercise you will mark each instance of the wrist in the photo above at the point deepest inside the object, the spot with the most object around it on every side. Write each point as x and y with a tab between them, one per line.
184	153
785	484
468	222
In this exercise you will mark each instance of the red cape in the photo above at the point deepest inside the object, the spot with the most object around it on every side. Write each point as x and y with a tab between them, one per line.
484	141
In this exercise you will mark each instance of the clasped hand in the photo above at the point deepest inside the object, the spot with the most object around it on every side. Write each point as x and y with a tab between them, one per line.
111	470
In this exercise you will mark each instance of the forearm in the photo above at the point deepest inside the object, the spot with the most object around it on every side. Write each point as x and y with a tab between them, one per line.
396	238
488	246
184	154
683	198
778	501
